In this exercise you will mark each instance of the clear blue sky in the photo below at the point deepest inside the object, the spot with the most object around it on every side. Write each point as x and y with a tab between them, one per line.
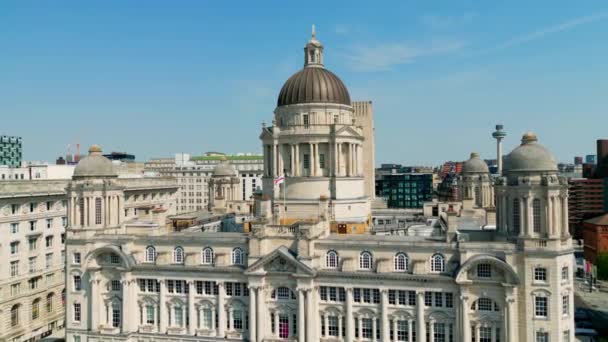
158	77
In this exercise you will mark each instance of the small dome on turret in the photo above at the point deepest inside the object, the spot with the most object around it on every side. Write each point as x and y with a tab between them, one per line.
225	169
94	165
530	156
475	165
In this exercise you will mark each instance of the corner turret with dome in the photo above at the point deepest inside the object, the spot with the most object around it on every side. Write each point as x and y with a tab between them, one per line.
475	182
533	198
530	156
224	194
94	165
317	146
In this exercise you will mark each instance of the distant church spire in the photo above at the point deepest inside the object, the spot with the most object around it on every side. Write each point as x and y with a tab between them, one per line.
313	51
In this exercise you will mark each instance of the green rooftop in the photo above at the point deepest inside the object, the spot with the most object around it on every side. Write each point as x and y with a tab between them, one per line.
228	157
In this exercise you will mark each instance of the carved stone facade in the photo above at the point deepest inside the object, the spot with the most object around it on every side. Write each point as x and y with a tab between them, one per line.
293	277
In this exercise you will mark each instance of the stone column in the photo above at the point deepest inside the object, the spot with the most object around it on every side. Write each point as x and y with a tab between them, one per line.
229	318
510	328
337	157
326	324
549	215
312	319
350	324
297	158
221	311
329	160
421	327
374	328
213	314
395	326
522	221
464	317
529	218
340	317
162	321
274	159
276	323
564	211
252	312
125	313
493	332
477	331
360	327
356	158
384	315
94	312
301	319
556	218
410	333
351	159
431	331
191	312
292	159
260	314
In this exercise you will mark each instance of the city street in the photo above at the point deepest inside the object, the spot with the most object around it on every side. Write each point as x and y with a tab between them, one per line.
596	305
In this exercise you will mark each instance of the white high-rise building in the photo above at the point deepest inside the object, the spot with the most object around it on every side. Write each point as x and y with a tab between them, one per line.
307	268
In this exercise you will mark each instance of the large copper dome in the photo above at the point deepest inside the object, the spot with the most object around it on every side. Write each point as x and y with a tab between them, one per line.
313	84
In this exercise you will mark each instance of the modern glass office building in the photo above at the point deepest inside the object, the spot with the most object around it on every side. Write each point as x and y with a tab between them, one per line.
405	190
10	151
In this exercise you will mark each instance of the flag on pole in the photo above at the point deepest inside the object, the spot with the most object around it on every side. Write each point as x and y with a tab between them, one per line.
279	180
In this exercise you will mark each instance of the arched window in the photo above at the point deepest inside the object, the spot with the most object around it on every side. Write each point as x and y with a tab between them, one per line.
49	302
36	309
516	216
536	215
150	254
331	259
437	263
207	256
484	304
15	315
178	255
365	261
237	256
401	262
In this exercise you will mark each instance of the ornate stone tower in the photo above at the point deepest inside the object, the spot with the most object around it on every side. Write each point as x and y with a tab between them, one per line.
315	143
95	200
475	182
533	213
223	186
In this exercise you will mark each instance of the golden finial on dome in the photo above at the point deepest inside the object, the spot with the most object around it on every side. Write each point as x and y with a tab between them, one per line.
529	137
95	148
474	155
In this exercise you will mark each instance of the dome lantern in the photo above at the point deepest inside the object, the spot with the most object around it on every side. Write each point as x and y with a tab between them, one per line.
314	83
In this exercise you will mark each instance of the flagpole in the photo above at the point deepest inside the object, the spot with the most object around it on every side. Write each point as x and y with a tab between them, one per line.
284	197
